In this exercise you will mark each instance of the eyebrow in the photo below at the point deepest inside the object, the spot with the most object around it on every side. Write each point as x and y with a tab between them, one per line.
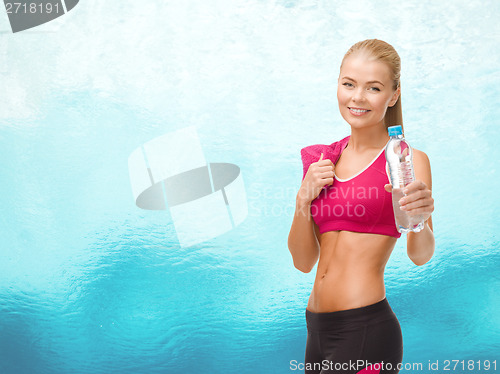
366	82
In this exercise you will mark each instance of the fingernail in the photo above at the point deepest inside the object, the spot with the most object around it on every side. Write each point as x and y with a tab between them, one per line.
401	201
405	191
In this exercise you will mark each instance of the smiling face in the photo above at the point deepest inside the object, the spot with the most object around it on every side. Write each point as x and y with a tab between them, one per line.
365	90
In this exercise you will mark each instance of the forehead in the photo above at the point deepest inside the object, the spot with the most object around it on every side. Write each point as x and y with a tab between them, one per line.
361	68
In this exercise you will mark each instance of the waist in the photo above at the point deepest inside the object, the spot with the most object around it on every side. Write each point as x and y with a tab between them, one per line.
328	321
336	292
354	254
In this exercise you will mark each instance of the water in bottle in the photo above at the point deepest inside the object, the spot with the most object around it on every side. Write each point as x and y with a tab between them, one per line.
398	155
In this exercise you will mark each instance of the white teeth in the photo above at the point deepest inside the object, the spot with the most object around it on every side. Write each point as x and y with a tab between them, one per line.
359	110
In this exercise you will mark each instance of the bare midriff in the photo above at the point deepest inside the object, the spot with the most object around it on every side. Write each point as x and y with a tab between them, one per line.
350	272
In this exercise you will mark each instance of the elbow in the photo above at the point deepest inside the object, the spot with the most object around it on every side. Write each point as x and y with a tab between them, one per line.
303	268
305	264
419	262
422	260
304	258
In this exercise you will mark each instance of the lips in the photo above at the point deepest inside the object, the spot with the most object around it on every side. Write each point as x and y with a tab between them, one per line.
358	111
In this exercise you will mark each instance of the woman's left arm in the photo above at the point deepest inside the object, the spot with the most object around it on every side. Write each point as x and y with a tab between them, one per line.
419	201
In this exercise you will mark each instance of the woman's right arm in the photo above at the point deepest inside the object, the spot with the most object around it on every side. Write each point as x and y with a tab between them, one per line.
302	239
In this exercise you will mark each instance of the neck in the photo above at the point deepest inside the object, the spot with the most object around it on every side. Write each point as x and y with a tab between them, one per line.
368	138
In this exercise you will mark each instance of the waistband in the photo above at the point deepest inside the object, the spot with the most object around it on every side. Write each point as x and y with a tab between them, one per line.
372	313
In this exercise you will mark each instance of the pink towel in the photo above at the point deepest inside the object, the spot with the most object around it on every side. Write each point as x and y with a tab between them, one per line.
312	153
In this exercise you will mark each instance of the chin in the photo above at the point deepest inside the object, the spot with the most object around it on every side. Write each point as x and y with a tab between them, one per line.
364	125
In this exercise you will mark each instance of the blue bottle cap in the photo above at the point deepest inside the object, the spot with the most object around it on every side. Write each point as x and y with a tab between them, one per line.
395	130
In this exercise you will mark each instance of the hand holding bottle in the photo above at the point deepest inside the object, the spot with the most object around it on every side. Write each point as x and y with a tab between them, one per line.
418	200
398	154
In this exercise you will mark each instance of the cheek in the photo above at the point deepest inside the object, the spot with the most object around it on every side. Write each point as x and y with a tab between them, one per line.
383	102
341	95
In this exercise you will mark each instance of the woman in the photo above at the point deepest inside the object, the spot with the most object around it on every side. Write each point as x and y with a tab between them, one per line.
344	217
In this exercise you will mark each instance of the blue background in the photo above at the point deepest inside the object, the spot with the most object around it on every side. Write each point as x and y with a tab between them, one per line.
89	283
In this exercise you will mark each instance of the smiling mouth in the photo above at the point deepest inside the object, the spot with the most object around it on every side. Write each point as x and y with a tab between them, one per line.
358	110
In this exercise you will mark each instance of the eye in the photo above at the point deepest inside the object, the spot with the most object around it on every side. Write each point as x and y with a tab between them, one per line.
375	88
347	84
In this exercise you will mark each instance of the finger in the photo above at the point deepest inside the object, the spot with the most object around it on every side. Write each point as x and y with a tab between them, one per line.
414	186
419	204
320	157
388	187
409	188
325	168
326	174
419	211
329	162
413	196
325	161
328	181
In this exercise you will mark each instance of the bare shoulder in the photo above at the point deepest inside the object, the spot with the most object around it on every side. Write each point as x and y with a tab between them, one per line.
420	156
422	167
421	161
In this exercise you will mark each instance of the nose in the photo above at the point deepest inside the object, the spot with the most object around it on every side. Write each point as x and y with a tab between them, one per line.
358	95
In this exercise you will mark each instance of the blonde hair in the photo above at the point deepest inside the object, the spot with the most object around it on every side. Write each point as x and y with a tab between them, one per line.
381	51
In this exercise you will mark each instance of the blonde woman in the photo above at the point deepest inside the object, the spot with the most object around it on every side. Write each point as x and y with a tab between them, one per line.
344	218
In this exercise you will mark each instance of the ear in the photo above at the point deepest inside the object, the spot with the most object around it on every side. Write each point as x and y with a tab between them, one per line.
395	97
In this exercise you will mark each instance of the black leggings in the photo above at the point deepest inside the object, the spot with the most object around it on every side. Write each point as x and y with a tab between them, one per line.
348	341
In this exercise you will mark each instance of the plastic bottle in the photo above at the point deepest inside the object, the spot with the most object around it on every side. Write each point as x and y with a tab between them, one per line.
398	155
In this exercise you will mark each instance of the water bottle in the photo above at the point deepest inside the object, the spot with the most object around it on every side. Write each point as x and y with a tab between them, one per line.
398	155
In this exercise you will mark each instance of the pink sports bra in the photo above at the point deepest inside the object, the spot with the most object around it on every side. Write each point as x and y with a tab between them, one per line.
359	203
